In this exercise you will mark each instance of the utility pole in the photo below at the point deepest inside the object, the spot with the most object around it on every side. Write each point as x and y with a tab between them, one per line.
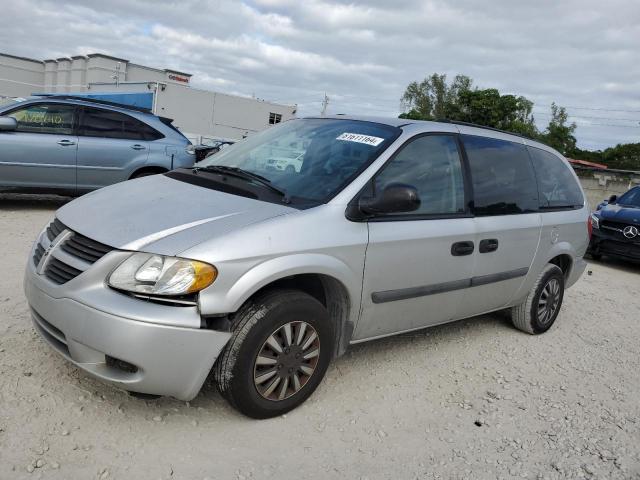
325	103
116	76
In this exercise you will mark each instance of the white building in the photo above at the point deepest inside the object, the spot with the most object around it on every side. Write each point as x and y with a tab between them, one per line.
200	114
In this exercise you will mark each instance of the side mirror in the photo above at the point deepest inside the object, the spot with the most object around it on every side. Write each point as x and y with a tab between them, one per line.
395	198
8	124
613	199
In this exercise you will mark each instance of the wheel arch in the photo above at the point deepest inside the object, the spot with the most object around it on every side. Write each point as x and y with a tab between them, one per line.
147	169
561	254
565	262
325	278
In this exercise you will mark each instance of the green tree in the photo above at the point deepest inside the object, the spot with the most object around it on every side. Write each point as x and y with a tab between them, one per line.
624	157
506	112
559	132
435	99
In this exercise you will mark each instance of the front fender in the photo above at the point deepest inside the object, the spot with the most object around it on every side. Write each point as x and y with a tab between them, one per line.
230	298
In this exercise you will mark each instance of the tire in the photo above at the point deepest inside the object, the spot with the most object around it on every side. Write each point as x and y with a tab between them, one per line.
238	373
529	316
290	169
595	256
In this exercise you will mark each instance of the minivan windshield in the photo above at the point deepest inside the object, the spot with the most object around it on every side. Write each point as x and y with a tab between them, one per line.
309	160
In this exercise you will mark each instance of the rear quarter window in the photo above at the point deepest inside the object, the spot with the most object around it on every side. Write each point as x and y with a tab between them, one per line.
96	122
502	176
557	185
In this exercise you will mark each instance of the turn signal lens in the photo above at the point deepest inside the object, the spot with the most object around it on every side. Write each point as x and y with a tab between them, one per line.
159	275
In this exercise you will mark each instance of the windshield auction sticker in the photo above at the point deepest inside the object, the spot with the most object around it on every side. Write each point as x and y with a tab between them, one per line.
356	137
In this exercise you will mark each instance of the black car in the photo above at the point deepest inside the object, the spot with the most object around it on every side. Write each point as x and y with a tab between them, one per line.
207	149
616	227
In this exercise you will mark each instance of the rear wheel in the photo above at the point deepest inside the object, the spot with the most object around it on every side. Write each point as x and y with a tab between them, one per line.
278	354
541	307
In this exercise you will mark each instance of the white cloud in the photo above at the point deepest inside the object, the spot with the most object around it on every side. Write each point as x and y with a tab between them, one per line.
579	53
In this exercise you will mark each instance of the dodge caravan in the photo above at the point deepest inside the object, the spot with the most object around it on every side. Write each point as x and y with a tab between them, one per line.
264	275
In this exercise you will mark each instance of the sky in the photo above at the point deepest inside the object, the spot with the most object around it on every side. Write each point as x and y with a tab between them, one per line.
581	54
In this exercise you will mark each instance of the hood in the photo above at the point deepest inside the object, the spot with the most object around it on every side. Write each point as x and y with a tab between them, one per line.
616	213
161	215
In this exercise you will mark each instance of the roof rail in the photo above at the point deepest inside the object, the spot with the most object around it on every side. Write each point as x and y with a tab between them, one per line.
96	101
476	125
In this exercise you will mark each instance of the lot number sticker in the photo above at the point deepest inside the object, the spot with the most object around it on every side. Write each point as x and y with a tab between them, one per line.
356	137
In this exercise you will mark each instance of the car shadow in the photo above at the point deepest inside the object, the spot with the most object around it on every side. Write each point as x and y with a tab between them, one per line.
19	201
375	351
430	336
627	265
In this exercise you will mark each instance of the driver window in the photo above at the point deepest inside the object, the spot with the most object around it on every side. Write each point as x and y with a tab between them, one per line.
431	164
45	118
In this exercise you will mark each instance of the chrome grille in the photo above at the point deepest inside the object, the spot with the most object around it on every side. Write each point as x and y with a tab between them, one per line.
85	248
54	229
37	255
59	272
84	251
616	229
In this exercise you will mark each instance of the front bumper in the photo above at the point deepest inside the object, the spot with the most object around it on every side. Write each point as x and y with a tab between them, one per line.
87	322
613	243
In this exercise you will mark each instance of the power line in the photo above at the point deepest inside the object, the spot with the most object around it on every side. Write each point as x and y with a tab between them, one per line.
591	117
591	108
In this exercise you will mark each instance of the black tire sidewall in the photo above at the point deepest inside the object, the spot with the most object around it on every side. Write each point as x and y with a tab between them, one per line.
535	323
245	395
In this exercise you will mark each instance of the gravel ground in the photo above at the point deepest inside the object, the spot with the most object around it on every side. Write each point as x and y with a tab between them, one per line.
473	399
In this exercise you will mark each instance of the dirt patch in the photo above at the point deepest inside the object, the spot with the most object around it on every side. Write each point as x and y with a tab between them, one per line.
473	399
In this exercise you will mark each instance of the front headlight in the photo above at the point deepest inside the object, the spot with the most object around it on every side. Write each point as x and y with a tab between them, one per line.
595	221
151	274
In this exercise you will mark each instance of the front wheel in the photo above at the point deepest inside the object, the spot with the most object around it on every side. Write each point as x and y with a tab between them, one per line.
541	307
279	352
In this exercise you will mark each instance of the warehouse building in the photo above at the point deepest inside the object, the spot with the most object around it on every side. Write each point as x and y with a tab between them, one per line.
199	114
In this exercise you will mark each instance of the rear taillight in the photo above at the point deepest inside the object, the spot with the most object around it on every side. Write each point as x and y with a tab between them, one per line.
590	226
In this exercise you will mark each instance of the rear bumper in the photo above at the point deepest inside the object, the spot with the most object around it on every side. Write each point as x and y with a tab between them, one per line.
577	269
168	360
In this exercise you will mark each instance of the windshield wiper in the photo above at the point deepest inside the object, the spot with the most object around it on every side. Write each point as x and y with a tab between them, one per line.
245	175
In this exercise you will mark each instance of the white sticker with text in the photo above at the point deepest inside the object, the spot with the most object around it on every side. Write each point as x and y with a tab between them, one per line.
356	137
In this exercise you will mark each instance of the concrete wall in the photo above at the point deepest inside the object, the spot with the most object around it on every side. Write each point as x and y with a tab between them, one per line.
599	185
20	77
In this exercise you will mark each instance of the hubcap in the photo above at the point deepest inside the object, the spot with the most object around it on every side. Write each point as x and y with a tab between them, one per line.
286	361
548	301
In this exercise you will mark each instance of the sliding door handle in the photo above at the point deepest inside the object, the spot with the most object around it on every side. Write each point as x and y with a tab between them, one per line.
460	249
488	245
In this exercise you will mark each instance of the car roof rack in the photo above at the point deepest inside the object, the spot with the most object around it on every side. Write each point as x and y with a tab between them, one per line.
96	101
476	125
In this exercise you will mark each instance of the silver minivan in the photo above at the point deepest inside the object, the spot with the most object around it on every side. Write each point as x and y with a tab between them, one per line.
263	275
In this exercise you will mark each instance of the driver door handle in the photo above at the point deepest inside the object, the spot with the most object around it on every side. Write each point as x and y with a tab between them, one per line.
137	146
460	249
66	143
